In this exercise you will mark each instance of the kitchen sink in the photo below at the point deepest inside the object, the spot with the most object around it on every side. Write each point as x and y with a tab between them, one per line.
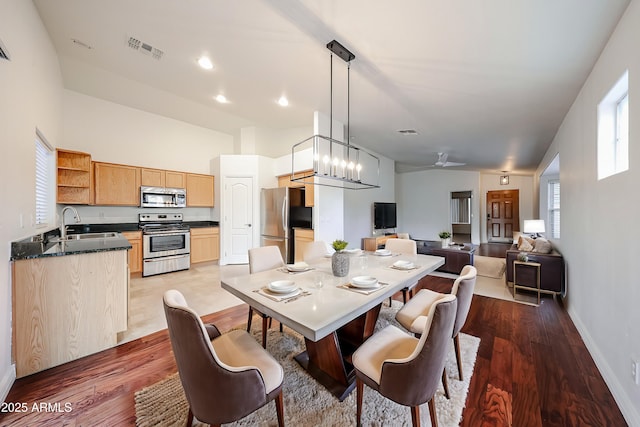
85	236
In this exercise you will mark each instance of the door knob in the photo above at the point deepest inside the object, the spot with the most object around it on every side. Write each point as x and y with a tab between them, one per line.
248	225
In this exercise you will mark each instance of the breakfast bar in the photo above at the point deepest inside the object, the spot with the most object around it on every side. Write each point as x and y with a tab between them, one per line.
334	318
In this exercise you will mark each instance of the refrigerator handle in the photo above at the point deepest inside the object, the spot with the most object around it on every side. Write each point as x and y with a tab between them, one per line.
285	220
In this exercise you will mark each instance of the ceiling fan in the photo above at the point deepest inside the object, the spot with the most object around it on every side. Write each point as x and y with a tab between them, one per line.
442	161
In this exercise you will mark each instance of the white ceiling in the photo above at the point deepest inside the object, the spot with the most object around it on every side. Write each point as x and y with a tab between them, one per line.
488	82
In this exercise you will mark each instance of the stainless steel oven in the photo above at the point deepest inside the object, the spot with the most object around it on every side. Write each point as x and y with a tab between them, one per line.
165	243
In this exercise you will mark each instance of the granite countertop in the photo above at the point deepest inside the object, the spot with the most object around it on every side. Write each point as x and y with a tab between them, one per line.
28	249
120	227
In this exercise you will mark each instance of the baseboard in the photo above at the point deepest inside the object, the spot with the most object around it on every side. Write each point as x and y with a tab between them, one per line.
627	407
7	380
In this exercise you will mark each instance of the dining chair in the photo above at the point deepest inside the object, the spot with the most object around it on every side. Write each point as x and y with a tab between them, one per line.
314	250
414	314
403	235
404	247
225	377
262	259
404	368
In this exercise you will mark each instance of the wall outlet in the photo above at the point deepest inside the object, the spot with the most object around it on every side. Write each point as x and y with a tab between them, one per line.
635	371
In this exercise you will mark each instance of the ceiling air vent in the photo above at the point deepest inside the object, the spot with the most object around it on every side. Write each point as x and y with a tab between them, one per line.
145	48
408	131
4	54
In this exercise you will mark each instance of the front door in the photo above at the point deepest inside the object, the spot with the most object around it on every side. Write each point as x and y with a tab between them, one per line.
238	219
503	215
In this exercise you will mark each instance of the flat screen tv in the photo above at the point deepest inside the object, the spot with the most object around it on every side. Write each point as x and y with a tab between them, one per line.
384	215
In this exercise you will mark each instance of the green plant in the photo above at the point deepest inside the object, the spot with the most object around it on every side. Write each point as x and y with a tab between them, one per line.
339	245
444	234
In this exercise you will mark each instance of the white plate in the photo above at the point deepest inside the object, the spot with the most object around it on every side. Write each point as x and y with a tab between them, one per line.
403	265
298	266
382	252
282	286
364	282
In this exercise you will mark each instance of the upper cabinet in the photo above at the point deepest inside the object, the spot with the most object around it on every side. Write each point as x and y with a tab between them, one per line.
116	184
73	180
309	189
162	178
199	190
81	181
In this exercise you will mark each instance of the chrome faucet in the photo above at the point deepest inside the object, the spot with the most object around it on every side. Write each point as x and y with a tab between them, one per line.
63	227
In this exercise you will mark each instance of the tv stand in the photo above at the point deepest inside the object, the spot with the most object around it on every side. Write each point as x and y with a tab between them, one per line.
373	243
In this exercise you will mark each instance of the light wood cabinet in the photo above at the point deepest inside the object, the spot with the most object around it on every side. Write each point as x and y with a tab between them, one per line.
301	236
135	253
162	178
200	190
205	244
309	189
373	243
73	177
116	184
67	307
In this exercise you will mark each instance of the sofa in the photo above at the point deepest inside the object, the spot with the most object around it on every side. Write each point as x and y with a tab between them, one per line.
552	270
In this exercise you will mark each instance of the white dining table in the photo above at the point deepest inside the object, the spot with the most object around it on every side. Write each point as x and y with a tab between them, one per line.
333	319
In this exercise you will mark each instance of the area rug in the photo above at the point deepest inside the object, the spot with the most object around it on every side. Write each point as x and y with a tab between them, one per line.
307	403
489	266
497	288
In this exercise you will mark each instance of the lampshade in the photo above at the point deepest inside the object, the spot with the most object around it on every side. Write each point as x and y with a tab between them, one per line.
533	226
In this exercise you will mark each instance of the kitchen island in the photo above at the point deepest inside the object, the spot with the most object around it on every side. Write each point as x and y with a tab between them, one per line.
70	299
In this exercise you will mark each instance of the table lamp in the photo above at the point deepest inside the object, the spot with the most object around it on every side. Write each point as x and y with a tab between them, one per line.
534	227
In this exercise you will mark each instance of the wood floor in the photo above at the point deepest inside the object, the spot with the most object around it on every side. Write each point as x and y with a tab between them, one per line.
532	369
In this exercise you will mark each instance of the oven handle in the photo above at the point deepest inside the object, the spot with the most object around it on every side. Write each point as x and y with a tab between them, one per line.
165	233
166	258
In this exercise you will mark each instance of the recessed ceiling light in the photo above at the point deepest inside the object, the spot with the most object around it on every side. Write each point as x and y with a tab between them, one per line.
205	63
283	101
222	99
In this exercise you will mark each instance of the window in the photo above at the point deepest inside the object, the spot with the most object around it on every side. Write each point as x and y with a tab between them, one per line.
613	130
44	181
554	209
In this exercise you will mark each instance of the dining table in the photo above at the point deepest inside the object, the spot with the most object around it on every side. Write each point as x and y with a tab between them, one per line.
335	315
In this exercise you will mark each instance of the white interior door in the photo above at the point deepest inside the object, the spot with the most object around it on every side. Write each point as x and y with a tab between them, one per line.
239	221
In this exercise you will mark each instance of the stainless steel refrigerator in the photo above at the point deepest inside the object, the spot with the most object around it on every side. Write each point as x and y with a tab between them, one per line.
281	209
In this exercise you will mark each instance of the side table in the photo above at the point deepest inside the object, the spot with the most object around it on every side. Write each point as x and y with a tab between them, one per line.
529	273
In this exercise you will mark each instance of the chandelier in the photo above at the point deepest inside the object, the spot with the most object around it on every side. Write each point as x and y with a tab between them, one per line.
336	163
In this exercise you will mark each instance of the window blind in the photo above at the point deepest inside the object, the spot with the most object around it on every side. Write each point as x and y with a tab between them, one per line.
43	188
554	209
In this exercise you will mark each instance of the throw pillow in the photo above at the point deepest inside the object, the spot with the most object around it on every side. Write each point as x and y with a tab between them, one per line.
525	244
542	246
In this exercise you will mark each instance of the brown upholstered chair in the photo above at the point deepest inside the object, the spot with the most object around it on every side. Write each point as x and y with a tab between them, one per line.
413	315
404	368
262	259
225	377
404	247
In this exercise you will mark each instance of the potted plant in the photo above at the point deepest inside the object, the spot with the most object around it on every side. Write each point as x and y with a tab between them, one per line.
445	237
340	259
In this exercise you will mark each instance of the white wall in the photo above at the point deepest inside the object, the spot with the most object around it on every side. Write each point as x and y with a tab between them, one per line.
31	87
424	201
358	204
599	232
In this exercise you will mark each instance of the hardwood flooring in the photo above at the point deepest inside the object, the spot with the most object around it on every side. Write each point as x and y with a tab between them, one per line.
532	369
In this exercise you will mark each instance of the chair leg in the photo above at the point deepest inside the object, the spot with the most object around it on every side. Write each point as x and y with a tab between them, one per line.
445	384
404	295
265	322
270	321
249	319
432	413
281	328
280	409
415	416
456	342
359	393
189	418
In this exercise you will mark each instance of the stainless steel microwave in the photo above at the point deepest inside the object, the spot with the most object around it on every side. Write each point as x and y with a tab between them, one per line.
162	197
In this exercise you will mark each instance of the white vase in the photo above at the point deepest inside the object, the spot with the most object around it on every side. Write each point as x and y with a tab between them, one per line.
340	264
445	242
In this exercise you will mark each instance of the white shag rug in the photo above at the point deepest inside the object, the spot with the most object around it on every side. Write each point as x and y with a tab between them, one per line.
307	403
